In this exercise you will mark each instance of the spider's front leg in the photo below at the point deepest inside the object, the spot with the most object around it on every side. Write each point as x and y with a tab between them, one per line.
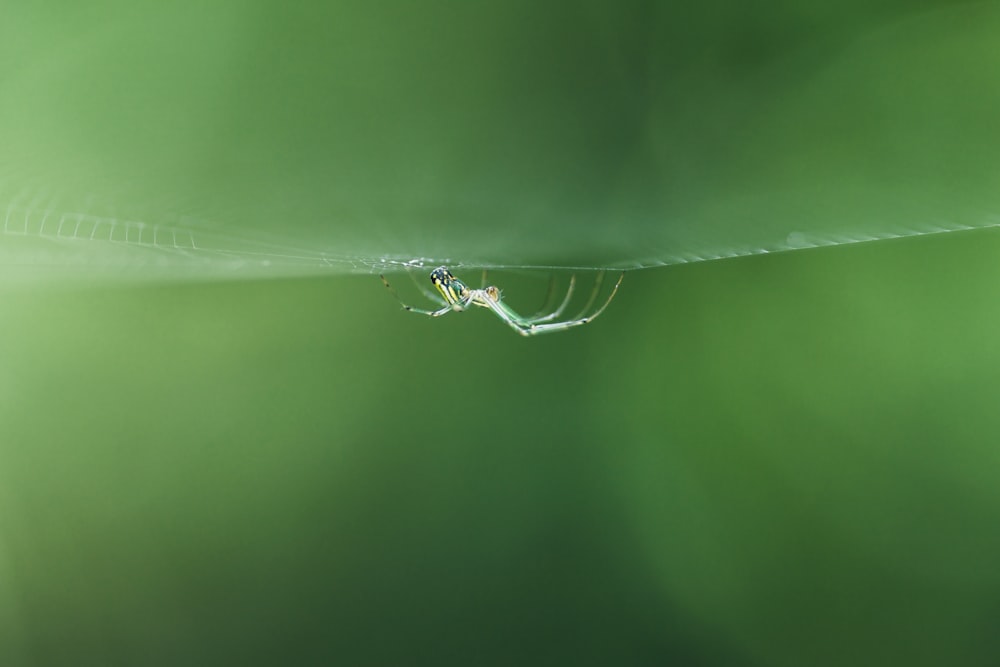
431	313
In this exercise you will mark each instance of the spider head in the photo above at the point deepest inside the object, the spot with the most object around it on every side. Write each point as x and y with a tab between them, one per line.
451	288
441	275
493	292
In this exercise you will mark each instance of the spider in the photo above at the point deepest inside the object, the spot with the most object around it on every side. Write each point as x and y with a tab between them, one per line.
457	296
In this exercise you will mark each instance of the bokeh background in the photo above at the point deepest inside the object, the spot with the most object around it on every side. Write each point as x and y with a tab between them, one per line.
242	451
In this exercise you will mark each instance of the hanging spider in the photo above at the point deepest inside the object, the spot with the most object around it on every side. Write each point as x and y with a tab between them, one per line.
456	296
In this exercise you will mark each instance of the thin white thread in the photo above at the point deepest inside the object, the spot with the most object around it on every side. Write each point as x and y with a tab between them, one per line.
215	246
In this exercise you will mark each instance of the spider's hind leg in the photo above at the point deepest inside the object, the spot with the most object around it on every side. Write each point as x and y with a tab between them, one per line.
614	291
536	328
541	315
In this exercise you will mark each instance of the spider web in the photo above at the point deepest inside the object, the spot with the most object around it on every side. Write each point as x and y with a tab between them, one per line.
43	241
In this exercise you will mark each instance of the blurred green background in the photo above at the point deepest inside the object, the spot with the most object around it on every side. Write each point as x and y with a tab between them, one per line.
223	442
776	460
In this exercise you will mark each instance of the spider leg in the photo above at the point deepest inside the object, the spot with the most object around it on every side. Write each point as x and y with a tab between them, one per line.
509	316
528	328
550	296
431	313
539	317
582	318
593	295
544	315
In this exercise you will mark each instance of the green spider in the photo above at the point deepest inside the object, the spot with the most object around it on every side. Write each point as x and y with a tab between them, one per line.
457	296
